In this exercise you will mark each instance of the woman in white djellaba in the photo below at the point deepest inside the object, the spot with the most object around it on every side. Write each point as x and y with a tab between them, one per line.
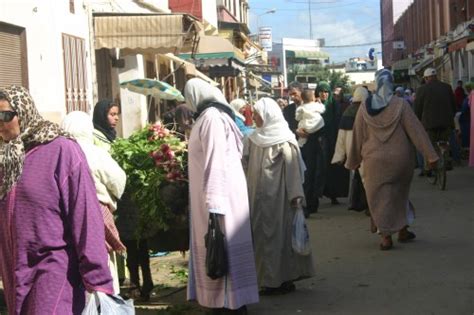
275	173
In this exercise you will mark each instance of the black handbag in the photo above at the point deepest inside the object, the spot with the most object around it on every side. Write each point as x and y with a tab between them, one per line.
216	255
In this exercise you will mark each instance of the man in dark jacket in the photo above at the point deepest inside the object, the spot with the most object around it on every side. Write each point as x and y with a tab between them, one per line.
435	106
294	91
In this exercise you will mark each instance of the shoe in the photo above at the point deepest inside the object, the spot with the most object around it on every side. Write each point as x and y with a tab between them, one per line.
386	243
429	173
405	236
306	213
334	201
421	173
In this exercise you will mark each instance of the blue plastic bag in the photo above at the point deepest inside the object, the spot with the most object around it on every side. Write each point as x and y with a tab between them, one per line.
300	235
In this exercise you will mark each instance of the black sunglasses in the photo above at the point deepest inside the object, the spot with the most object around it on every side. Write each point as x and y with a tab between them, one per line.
7	116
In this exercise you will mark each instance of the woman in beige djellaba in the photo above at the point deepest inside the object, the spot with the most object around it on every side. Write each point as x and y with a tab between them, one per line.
275	173
385	134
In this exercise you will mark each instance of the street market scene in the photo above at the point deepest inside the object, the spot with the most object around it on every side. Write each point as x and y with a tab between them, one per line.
236	157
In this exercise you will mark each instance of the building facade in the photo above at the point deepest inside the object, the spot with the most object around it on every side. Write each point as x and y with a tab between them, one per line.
435	33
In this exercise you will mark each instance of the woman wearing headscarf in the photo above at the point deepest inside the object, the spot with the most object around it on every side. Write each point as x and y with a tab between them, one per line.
217	185
105	119
385	130
357	200
275	182
52	243
336	183
109	179
238	106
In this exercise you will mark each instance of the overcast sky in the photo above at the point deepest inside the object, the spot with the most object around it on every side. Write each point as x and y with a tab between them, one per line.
340	22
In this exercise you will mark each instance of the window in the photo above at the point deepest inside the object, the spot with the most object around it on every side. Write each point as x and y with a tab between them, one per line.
75	73
13	56
71	6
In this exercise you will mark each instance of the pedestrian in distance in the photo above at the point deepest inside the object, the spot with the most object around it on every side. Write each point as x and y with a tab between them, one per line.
105	119
435	107
384	136
217	185
275	177
52	243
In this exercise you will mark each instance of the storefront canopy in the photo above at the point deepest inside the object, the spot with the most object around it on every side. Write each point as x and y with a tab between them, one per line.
188	67
145	33
305	54
215	51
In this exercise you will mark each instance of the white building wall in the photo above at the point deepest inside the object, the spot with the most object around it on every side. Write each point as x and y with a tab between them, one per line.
399	6
209	12
364	77
45	22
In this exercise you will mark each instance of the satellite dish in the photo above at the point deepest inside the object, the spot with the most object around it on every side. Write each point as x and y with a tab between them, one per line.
371	53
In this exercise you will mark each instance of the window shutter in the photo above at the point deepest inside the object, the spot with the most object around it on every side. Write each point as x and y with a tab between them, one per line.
13	63
75	73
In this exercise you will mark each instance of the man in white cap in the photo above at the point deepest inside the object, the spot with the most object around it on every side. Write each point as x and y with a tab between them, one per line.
435	107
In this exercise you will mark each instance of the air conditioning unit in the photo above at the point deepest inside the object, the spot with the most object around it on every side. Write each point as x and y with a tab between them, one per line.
399	44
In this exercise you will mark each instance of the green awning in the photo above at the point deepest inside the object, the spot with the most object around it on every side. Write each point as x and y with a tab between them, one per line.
306	54
217	55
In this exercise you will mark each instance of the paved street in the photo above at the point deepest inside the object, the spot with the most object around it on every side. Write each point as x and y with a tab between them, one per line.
433	275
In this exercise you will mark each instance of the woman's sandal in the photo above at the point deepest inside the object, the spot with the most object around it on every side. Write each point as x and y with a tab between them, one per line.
405	236
386	243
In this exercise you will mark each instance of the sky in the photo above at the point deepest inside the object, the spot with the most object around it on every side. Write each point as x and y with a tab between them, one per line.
339	22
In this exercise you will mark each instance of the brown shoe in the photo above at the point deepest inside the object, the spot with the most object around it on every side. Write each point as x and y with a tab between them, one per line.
386	243
405	236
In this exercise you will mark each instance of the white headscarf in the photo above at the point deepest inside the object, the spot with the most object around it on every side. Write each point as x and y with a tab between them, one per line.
198	92
384	91
360	94
275	128
236	105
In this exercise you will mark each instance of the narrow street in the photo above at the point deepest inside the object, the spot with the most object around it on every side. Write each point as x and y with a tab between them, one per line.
433	275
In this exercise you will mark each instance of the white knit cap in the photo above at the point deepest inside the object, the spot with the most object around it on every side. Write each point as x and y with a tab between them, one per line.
429	72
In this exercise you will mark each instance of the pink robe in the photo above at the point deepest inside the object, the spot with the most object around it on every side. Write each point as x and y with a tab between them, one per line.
217	181
471	149
52	242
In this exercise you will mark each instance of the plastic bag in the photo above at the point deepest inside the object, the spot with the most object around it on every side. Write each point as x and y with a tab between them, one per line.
300	235
100	303
216	254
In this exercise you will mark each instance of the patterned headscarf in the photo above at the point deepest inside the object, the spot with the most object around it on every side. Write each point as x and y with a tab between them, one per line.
34	130
383	93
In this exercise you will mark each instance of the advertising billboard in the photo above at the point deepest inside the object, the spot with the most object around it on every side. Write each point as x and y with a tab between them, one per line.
265	38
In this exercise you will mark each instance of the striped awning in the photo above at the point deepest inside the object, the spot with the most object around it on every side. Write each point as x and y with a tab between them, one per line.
307	54
145	33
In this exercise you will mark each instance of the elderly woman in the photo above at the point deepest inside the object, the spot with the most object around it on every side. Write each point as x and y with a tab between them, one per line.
109	179
357	200
52	244
385	130
275	181
217	185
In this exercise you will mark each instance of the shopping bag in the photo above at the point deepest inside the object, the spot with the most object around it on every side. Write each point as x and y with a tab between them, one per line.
100	303
216	255
300	235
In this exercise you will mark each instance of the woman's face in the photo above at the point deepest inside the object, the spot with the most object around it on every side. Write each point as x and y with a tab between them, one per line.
323	95
257	119
113	116
9	130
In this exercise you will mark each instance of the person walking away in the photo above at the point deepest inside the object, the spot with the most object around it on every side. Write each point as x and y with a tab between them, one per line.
109	180
309	116
238	105
275	175
217	185
435	107
357	198
105	119
384	135
336	183
52	243
408	97
459	95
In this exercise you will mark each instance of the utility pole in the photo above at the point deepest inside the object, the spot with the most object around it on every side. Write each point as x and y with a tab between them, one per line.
310	21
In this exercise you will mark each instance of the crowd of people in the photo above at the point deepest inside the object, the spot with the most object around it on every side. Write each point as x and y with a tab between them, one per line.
253	167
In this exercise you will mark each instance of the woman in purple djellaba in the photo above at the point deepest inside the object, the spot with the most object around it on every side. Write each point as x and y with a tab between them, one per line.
52	245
